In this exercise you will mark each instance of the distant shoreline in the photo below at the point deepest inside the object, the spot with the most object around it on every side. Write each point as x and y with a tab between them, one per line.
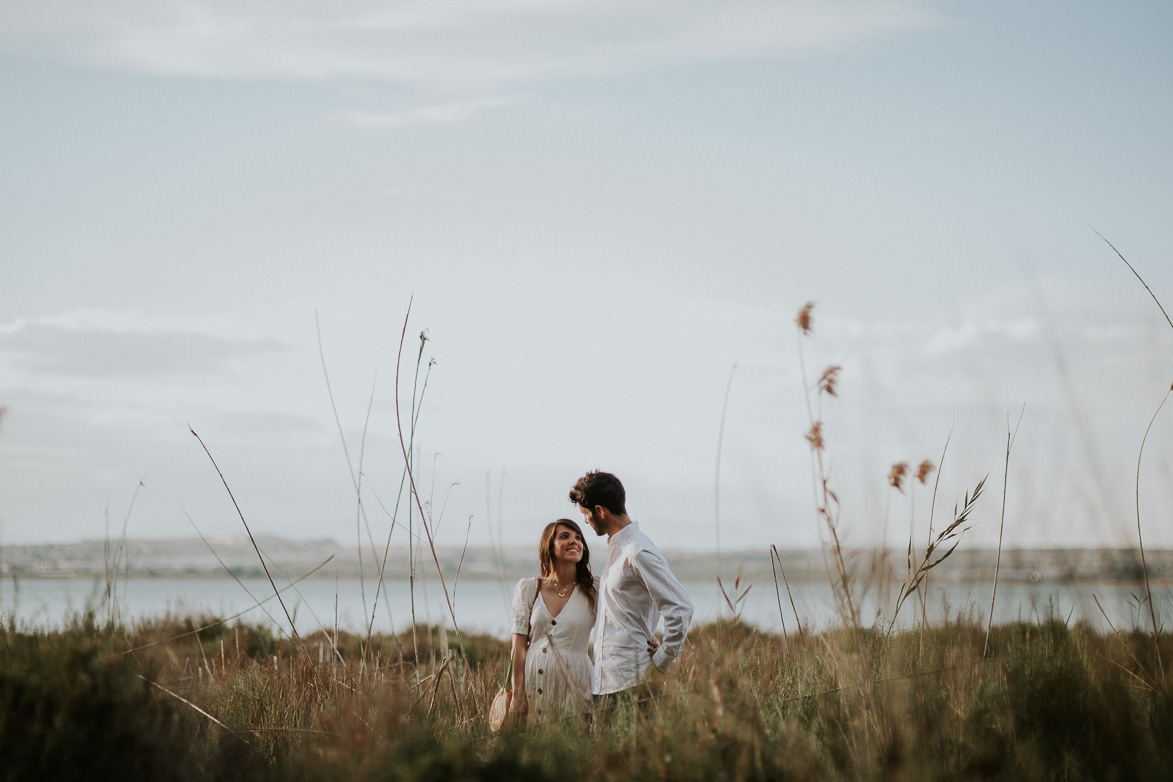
191	558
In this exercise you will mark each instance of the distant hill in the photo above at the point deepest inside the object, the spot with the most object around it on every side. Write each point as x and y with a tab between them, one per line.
290	559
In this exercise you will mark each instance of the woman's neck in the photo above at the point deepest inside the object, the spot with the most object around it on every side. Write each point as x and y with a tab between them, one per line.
565	573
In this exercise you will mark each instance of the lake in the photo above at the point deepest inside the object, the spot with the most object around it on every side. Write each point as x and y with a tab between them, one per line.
483	605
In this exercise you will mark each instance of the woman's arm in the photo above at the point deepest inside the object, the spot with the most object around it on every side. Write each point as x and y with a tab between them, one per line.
517	700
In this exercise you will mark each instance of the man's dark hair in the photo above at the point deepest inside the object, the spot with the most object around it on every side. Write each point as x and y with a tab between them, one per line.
600	488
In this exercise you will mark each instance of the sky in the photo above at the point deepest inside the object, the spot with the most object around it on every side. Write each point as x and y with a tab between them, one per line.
604	217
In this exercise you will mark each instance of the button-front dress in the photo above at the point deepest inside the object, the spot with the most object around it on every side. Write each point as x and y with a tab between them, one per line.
557	667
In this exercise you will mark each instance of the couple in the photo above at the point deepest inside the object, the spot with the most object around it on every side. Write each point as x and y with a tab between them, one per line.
553	615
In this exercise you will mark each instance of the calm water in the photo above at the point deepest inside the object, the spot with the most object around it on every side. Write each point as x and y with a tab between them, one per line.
483	606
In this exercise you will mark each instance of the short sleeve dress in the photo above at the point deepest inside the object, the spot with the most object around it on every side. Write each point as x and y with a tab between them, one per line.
557	667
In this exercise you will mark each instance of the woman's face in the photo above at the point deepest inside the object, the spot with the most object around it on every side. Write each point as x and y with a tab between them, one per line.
568	545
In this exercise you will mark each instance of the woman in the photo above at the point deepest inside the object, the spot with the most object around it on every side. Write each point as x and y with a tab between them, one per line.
551	623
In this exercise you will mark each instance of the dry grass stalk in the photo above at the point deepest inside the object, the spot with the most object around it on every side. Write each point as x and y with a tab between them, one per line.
949	537
828	380
776	557
815	436
1151	686
265	567
414	491
1140	538
1010	437
1142	282
804	317
896	476
827	510
932	510
735	597
355	477
119	562
717	472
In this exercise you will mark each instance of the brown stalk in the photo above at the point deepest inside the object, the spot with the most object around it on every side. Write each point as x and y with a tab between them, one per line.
354	477
821	484
717	477
1144	568
415	492
948	540
256	601
932	511
1140	539
774	555
1142	282
181	699
121	559
1002	525
1124	643
276	591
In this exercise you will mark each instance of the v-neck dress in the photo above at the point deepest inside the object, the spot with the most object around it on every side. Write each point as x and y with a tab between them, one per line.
557	667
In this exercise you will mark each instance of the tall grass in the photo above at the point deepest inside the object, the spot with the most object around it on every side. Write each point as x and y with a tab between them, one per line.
1053	702
200	697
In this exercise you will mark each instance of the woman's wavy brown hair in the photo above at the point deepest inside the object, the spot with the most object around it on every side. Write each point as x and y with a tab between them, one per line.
582	574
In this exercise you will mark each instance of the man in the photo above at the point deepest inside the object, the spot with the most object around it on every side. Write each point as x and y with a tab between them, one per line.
636	588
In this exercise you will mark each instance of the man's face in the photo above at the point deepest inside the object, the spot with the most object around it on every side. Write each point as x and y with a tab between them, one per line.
592	520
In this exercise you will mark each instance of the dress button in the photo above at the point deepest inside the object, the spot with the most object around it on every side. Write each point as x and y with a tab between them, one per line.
543	650
540	671
553	621
539	691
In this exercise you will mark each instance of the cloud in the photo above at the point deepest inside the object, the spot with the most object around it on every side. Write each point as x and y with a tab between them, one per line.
98	344
429	114
971	334
428	43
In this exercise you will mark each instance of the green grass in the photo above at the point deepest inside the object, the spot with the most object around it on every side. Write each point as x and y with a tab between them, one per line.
1052	702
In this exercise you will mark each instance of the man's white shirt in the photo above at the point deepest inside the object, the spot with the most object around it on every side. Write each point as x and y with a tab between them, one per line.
635	590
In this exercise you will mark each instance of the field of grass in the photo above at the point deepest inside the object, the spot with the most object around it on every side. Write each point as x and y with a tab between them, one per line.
195	698
232	702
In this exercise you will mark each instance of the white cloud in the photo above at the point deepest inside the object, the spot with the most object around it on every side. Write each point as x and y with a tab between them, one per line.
446	43
98	319
429	114
971	334
103	343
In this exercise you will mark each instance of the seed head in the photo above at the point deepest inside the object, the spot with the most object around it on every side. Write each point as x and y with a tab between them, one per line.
815	436
896	475
829	379
804	317
923	471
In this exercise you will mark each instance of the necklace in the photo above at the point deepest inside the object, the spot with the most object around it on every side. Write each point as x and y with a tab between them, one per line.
559	590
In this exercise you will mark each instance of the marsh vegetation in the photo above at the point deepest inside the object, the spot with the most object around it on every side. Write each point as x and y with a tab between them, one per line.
198	697
160	701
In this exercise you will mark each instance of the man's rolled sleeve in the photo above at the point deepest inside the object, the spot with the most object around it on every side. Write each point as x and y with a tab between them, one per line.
663	660
671	601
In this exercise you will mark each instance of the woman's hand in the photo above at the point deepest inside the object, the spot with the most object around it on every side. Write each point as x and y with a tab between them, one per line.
653	644
518	704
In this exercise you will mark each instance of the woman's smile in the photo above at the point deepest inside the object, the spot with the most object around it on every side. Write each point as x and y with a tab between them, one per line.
567	545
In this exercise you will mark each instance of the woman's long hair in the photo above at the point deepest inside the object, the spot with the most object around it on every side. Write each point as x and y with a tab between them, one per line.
582	572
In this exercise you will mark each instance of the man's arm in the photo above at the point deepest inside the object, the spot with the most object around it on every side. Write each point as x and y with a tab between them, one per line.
672	601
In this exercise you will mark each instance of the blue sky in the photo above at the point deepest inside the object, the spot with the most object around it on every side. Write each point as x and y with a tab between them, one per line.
599	209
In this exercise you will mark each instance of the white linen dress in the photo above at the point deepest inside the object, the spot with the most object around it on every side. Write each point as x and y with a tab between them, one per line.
557	666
